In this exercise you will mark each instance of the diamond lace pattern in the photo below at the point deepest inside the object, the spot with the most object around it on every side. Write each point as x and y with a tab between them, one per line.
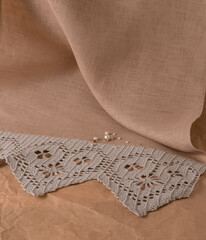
143	179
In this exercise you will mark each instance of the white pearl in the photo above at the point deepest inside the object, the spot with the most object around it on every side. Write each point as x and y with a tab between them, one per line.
126	141
106	133
119	138
95	139
107	137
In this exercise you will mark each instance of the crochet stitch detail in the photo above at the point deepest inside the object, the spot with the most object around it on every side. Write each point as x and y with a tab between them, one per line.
143	179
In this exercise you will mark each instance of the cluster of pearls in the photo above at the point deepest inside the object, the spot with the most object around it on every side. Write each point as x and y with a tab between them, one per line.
108	137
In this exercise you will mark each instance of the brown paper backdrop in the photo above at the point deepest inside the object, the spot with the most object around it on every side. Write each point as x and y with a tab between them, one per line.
79	68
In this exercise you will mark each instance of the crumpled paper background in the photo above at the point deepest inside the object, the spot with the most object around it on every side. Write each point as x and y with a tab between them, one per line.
90	211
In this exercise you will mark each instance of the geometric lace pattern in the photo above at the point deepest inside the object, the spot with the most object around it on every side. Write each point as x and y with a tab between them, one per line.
143	179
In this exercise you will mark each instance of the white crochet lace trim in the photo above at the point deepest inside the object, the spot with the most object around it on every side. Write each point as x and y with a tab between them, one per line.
143	179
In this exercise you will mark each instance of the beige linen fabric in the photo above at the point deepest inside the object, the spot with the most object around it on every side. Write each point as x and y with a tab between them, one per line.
78	68
143	61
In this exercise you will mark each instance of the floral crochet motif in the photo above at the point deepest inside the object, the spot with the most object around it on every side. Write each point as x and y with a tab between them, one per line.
52	170
147	181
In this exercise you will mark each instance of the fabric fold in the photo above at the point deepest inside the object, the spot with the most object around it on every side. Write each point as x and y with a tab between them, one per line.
142	73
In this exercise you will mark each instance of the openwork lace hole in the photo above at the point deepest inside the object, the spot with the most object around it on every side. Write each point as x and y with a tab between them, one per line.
138	167
175	173
37	152
143	187
87	160
83	160
129	168
78	161
44	153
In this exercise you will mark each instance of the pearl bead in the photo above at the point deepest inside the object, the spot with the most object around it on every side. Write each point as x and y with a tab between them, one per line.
106	133
119	138
107	137
95	139
126	142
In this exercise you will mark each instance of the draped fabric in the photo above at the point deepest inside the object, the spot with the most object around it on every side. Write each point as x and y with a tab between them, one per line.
143	61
